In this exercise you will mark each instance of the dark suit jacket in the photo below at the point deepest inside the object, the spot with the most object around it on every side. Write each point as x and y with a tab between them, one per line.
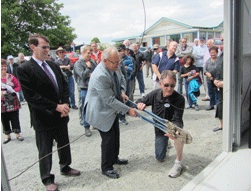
15	65
41	95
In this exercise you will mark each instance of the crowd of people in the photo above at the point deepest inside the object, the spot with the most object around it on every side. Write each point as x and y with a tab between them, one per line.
105	80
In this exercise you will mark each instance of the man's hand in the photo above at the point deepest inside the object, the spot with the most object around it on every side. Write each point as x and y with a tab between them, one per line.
8	88
218	83
124	97
170	136
68	67
132	112
63	109
141	106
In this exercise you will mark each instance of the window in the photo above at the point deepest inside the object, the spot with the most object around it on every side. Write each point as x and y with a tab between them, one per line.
203	34
210	35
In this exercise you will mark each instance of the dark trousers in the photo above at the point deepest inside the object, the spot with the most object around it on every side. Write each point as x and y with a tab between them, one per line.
44	141
13	118
110	146
212	91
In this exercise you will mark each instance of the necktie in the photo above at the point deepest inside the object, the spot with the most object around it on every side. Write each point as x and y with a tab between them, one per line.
46	70
117	86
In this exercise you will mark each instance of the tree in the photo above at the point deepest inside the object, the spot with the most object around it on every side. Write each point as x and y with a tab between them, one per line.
95	39
19	18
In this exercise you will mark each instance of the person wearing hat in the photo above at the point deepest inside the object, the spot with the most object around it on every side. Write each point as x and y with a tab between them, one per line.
12	66
156	50
66	65
148	54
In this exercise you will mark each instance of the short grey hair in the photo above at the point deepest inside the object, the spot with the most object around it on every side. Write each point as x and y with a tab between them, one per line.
84	48
168	73
107	52
20	54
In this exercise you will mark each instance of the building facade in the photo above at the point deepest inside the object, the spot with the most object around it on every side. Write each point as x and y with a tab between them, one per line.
165	29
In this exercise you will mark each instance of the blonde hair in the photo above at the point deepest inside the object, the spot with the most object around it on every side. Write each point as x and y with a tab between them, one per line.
85	48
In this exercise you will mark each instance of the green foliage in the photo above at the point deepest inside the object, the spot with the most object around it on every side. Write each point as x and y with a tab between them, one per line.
95	39
102	47
18	20
117	44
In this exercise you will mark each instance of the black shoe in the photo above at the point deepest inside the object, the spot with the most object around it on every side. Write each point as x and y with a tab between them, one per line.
6	140
74	107
123	121
217	129
210	108
111	174
121	162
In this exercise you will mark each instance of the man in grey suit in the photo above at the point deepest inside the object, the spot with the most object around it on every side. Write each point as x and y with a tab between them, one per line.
103	104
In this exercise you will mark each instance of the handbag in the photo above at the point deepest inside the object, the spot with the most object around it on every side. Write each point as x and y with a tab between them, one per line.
10	98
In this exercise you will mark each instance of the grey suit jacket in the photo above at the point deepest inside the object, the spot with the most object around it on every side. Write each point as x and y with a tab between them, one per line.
101	106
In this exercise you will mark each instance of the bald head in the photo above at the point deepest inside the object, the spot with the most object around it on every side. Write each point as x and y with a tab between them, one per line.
110	57
172	47
126	43
210	43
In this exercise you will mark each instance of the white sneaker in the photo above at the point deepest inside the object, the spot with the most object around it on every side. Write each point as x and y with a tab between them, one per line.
143	95
175	170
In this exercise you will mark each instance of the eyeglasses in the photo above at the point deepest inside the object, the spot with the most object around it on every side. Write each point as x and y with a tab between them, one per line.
60	52
45	47
117	62
169	85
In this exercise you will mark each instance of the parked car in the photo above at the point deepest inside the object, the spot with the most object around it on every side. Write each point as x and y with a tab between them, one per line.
73	56
218	43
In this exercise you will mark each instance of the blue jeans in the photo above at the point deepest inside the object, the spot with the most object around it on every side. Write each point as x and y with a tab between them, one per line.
190	103
70	82
140	79
161	142
83	94
212	91
21	96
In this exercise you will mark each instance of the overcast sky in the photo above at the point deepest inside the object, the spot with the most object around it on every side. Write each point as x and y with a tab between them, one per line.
111	19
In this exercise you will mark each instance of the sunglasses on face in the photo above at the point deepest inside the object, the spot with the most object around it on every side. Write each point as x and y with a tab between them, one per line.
169	85
45	47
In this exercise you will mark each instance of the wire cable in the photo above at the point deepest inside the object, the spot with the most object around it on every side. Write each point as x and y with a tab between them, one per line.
43	158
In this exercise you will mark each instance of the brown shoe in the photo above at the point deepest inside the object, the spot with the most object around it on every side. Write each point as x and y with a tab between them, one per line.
72	172
51	187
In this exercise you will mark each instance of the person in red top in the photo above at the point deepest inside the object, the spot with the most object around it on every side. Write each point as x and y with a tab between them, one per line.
9	104
96	54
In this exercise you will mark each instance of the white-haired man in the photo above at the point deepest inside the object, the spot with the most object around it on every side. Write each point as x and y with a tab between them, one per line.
103	103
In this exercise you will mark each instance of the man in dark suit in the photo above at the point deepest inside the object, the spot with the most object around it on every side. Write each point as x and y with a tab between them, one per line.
47	95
